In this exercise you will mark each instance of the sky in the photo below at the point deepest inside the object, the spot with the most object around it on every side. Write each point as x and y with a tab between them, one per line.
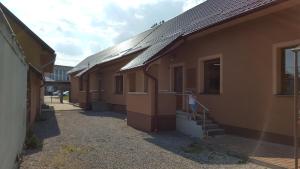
76	29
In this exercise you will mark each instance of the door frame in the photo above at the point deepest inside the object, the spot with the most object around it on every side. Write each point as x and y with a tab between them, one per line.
172	67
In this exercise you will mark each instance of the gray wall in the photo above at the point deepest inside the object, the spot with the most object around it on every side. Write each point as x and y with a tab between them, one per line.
13	87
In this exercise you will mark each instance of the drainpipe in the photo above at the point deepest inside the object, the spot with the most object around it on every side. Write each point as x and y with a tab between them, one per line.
296	105
155	97
88	90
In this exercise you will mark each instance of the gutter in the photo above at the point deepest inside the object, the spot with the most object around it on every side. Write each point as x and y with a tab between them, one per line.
155	98
29	31
87	99
49	63
88	92
159	54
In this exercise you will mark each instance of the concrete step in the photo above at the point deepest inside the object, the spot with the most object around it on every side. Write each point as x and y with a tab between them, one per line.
207	122
211	126
100	106
215	132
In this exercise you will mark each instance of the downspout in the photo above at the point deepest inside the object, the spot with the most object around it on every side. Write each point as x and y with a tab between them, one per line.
155	98
156	86
88	90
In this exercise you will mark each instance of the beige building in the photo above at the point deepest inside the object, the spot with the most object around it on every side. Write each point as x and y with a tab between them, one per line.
40	58
236	56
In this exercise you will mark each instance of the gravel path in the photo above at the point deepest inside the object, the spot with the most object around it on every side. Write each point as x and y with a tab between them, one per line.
88	140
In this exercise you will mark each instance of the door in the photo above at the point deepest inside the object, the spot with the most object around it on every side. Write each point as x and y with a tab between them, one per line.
100	89
178	86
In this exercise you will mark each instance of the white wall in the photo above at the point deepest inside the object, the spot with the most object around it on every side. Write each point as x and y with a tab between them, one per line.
13	87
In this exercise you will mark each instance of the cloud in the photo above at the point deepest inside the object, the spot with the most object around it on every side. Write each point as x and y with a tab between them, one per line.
77	30
191	3
69	49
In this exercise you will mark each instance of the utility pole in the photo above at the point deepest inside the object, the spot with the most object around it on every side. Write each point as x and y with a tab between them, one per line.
296	108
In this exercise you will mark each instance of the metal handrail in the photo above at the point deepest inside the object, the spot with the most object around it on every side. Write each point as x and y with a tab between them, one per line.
205	110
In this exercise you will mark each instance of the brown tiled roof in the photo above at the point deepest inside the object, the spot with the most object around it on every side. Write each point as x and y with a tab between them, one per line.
205	15
201	17
112	53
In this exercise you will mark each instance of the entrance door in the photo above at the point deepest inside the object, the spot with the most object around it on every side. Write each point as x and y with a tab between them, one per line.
178	86
100	89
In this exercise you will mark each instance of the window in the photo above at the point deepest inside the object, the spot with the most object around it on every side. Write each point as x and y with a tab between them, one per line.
191	74
119	84
212	76
145	84
287	70
81	84
132	82
178	79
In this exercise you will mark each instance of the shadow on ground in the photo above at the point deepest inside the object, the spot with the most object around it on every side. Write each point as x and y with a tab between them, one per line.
225	150
195	149
45	127
117	115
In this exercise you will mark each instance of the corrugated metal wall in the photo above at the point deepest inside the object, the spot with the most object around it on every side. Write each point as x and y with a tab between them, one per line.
13	86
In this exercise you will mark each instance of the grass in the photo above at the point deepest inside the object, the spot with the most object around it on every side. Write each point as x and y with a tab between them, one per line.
193	148
213	151
66	98
74	149
32	141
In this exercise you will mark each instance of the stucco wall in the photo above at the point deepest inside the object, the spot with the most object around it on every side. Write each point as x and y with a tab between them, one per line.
141	108
35	95
166	103
13	89
74	89
248	98
140	101
36	57
106	75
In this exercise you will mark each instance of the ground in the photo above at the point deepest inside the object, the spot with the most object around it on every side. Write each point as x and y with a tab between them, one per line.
76	139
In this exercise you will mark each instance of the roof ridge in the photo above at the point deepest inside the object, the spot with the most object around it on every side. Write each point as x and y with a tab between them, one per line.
144	37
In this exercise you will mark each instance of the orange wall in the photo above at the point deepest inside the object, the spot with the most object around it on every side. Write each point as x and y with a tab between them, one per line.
37	56
247	100
74	89
33	50
140	101
166	103
106	74
35	93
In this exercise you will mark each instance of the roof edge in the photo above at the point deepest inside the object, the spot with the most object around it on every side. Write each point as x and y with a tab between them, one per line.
238	16
27	29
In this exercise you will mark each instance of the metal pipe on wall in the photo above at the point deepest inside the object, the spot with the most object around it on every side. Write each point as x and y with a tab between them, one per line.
296	108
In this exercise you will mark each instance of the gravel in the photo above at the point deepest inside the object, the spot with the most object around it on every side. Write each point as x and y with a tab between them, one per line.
89	140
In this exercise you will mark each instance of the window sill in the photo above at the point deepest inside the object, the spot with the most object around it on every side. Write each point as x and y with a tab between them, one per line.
210	94
137	93
284	95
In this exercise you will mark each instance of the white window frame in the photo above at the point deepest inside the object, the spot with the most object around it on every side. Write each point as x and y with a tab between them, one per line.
276	63
200	74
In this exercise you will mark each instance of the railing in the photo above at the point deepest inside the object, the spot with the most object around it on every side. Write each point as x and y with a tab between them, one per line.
205	110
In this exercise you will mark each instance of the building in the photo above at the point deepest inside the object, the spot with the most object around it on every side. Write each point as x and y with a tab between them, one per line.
24	59
40	58
236	55
13	95
58	80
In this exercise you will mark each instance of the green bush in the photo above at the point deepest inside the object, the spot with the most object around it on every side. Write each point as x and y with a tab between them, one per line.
32	141
193	148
